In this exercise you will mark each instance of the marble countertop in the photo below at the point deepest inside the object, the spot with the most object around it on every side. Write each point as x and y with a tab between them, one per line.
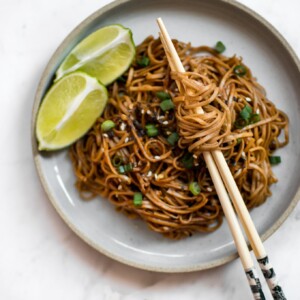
40	258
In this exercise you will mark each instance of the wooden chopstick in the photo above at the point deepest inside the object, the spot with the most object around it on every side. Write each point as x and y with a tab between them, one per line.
231	186
241	245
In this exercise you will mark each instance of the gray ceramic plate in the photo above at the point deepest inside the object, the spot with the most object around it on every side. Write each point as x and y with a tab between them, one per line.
201	22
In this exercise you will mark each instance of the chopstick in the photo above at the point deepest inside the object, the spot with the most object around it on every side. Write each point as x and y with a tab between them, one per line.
218	158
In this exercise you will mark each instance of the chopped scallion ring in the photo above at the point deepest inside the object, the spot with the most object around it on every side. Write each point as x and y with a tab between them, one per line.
143	62
220	47
173	138
275	160
194	188
107	125
137	199
167	105
240	70
246	113
163	95
151	130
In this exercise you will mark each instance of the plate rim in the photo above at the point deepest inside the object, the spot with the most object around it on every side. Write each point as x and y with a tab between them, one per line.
36	155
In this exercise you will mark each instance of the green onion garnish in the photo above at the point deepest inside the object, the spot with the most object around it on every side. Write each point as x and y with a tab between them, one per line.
163	95
240	70
194	188
151	130
121	170
275	160
220	47
167	105
241	123
117	161
143	62
173	138
125	169
121	79
107	125
254	118
246	113
188	160
137	199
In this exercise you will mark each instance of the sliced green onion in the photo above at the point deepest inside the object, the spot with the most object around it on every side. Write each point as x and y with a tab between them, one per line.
194	188
121	170
240	70
275	160
246	113
163	95
143	62
125	168
107	125
167	105
151	130
121	79
173	138
254	118
220	47
241	123
137	199
188	160
117	161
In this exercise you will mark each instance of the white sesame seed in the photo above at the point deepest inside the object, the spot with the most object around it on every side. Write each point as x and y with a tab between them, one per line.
195	156
160	176
209	189
160	117
148	112
123	126
142	111
126	140
155	176
105	135
149	174
257	111
238	172
156	157
243	155
169	132
248	99
165	122
119	187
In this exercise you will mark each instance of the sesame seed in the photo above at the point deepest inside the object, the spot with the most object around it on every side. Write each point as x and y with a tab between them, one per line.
209	189
148	112
156	157
160	176
119	187
257	111
126	140
160	117
195	156
142	111
165	122
105	135
155	176
238	172
149	174
248	99
243	155
123	126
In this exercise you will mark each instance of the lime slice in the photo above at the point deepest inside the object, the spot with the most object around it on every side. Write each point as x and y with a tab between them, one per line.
105	54
69	110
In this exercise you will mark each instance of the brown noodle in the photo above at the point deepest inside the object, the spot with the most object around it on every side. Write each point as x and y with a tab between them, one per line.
158	172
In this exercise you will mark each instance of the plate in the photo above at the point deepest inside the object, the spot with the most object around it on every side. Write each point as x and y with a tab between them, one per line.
271	60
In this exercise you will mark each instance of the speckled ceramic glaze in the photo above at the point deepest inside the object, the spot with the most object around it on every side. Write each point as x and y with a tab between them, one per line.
202	22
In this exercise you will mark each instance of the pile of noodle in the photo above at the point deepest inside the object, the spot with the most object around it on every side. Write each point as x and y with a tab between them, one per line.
168	206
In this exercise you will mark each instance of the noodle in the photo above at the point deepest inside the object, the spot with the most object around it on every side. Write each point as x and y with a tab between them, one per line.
157	169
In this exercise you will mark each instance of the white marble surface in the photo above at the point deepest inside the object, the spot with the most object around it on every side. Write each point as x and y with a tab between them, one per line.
40	258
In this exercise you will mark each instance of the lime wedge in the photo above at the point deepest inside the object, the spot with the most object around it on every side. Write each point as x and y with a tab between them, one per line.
105	54
69	109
